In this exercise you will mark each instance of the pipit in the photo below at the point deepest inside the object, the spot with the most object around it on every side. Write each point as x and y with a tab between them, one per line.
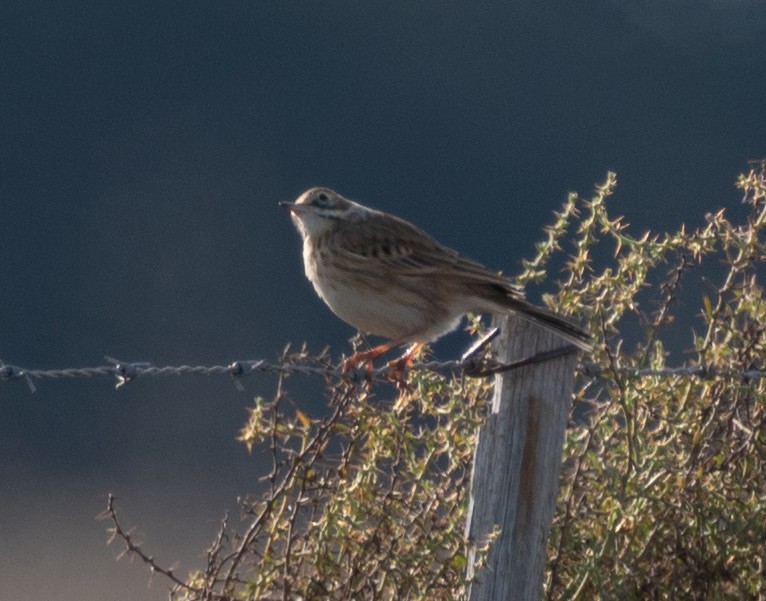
386	277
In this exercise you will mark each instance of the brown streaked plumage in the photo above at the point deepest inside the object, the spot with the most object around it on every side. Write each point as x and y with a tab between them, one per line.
385	276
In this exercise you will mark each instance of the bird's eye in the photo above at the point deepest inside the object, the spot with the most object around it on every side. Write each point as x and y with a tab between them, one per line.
322	200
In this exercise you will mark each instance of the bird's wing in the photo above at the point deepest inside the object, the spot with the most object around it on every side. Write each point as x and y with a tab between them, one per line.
385	241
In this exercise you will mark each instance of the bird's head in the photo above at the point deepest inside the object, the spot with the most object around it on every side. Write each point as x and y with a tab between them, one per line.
317	209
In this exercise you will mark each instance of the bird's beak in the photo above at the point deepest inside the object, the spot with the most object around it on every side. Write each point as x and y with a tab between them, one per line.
291	206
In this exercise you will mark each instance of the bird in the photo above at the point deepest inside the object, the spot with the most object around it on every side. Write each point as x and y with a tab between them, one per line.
387	277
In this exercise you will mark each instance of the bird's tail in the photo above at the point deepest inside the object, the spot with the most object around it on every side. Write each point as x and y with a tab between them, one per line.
551	321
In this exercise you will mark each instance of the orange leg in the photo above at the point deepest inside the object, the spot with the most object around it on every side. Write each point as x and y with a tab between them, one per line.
366	358
397	367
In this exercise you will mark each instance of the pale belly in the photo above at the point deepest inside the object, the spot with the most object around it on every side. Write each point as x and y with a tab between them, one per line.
395	312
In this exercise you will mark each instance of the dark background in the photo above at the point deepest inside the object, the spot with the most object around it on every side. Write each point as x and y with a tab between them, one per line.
144	147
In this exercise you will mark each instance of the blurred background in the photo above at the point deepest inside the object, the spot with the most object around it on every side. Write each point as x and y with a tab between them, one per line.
144	147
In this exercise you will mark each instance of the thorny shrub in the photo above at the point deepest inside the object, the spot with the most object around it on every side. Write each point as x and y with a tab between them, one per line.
663	490
663	486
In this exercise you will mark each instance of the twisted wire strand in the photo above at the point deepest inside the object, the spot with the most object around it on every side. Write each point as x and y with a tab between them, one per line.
126	371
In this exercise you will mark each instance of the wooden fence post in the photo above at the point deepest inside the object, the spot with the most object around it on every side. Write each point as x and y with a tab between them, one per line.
517	463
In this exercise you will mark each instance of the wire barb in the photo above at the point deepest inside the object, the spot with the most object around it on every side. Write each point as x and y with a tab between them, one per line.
124	371
11	372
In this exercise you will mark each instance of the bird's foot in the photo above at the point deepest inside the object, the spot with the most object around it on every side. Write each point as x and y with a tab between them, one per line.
398	367
366	358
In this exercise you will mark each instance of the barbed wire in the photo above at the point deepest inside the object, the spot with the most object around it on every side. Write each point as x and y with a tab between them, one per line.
125	371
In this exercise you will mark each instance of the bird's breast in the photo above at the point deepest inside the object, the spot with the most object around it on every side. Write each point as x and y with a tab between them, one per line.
375	301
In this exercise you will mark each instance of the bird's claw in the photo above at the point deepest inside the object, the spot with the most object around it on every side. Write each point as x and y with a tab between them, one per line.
397	372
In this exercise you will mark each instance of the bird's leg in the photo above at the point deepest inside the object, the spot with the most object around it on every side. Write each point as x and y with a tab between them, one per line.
367	358
397	367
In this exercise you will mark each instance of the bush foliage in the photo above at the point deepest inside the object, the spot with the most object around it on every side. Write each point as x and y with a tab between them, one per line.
663	493
663	486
